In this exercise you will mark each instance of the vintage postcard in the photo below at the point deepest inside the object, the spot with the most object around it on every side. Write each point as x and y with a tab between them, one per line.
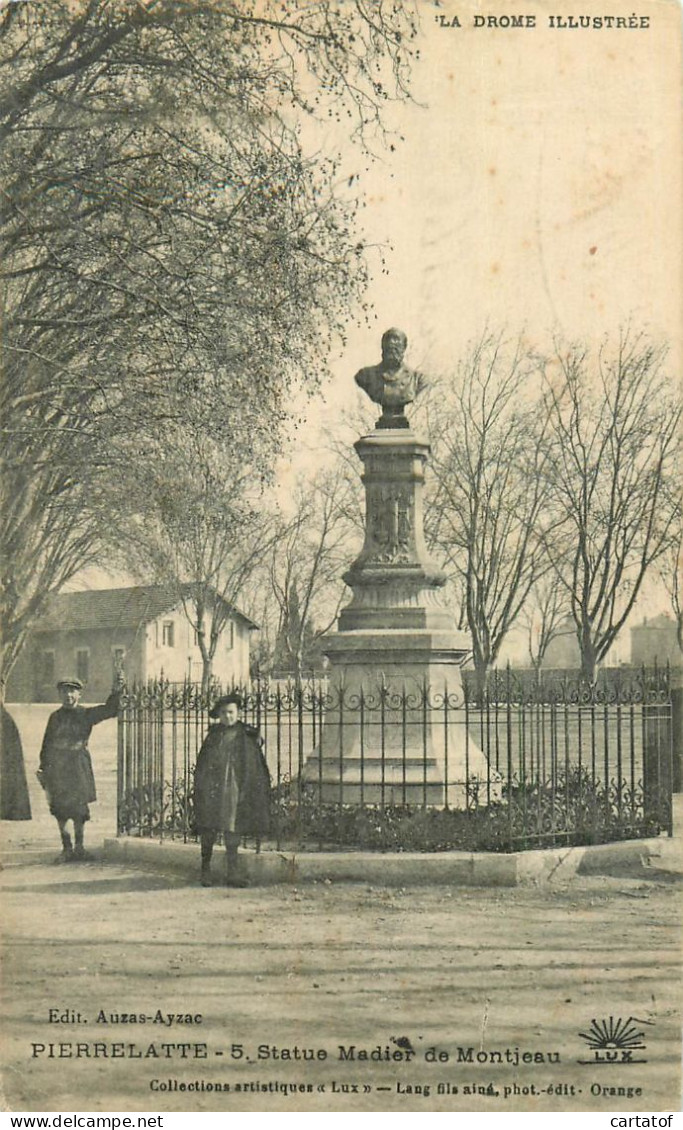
274	841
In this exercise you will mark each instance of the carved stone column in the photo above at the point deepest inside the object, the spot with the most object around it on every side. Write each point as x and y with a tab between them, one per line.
394	583
395	731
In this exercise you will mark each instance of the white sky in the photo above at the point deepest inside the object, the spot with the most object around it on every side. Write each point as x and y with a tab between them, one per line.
539	187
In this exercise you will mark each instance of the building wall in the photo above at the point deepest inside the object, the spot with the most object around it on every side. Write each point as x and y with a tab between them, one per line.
164	646
21	678
655	641
88	654
182	659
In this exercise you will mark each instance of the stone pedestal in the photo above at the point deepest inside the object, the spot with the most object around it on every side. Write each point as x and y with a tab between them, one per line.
395	730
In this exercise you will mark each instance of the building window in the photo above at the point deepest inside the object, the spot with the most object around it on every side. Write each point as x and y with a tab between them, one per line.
230	635
118	656
46	667
167	633
82	664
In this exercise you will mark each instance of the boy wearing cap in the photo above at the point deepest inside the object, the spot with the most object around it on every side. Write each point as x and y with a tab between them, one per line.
231	788
65	765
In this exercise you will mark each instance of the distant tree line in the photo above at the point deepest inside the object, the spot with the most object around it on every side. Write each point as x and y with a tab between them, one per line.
556	488
553	491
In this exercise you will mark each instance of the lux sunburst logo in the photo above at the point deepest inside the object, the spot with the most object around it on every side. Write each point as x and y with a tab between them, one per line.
614	1040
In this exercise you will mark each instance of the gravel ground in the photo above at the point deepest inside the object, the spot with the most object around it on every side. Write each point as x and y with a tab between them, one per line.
516	972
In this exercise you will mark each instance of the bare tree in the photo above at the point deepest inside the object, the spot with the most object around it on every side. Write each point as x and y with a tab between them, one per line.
545	616
612	446
489	487
47	536
306	564
670	567
197	524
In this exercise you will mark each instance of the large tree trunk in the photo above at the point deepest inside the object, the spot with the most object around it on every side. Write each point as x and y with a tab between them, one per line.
207	654
8	657
588	659
207	669
482	669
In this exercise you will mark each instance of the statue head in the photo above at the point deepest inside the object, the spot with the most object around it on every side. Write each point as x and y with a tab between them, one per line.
394	345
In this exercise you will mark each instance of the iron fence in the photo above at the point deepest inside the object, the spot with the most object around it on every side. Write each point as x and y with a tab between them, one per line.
528	763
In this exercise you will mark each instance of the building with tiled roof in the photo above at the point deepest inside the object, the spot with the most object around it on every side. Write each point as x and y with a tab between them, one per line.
142	630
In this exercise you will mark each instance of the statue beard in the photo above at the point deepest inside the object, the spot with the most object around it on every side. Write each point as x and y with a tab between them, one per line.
393	358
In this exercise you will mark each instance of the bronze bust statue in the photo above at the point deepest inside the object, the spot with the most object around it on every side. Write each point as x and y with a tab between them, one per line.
391	383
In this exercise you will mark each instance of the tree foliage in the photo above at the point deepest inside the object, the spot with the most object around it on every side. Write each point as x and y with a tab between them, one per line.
612	449
545	616
199	525
671	573
305	566
489	487
165	240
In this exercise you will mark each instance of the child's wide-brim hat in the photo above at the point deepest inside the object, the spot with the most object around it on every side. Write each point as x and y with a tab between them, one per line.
223	701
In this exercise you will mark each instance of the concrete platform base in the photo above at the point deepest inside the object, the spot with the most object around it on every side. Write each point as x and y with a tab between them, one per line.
656	858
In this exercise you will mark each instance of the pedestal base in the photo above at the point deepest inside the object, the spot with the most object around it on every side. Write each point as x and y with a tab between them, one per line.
395	732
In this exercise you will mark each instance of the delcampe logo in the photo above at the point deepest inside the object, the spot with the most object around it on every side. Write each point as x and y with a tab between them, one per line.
614	1041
